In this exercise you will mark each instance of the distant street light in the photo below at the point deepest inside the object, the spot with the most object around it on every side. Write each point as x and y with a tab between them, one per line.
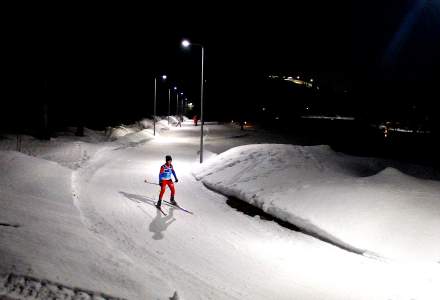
186	44
155	96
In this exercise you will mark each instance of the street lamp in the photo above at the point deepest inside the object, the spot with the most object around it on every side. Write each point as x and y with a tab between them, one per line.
164	77
186	44
177	103
169	102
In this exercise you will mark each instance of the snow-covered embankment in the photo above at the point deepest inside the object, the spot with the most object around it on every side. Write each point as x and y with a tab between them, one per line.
356	202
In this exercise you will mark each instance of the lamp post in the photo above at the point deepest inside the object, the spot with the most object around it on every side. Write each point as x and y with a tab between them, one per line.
177	103
164	77
181	109
169	101
186	44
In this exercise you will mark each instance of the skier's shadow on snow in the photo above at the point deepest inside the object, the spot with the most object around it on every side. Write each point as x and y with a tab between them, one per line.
160	223
138	198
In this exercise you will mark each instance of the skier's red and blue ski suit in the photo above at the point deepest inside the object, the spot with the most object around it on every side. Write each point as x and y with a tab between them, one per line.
165	179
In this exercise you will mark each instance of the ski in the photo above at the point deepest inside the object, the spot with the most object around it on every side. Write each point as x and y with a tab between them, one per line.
160	209
178	207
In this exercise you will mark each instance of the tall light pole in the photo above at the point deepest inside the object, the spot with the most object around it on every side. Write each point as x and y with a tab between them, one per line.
184	105
175	89
181	108
169	102
155	96
186	44
177	103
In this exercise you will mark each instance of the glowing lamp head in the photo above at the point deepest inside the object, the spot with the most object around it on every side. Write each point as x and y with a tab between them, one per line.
186	43
164	77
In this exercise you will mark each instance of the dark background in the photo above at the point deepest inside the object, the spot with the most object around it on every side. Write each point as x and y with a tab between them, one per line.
95	65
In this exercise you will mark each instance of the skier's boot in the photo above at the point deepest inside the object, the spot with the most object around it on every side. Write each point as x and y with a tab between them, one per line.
159	203
172	201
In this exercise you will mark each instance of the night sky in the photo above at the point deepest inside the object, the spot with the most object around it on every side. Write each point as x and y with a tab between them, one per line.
97	64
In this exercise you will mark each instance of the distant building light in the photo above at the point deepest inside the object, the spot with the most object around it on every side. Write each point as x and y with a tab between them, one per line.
277	118
289	77
311	79
296	81
263	109
245	122
297	77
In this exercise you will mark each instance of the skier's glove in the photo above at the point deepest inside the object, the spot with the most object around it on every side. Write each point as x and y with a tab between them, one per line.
160	183
177	180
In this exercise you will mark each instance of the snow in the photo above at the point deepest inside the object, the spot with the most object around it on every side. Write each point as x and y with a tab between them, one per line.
92	229
69	151
355	201
49	239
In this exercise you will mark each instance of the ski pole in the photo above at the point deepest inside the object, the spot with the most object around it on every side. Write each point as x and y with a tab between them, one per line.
150	182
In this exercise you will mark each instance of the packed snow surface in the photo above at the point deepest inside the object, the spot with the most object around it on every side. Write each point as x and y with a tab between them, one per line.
77	219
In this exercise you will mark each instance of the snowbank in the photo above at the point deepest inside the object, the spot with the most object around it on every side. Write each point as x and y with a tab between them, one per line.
69	151
43	236
174	120
120	131
361	202
134	139
161	123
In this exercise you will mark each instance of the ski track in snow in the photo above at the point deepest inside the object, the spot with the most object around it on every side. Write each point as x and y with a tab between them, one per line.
217	253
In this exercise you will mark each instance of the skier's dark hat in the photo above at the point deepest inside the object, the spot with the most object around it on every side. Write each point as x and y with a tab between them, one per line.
168	157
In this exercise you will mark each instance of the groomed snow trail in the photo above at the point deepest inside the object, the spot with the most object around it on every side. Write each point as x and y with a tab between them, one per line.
217	253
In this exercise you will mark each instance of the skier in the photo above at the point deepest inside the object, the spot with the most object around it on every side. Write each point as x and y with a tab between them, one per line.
195	120
165	179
